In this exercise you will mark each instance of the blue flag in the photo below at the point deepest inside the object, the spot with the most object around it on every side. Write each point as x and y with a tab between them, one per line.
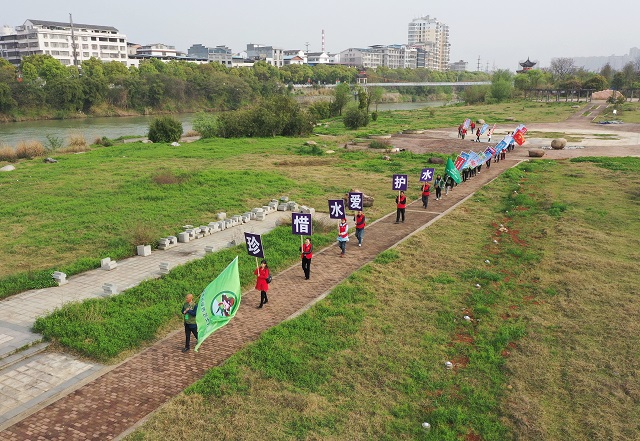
219	302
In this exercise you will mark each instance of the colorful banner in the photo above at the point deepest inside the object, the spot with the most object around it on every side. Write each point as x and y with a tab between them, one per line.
466	124
484	128
519	137
219	302
400	182
427	174
254	245
452	171
492	130
301	223
459	162
336	209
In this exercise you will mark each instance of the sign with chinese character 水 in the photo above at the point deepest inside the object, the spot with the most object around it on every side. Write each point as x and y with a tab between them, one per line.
427	174
355	201
254	245
400	182
301	224
336	209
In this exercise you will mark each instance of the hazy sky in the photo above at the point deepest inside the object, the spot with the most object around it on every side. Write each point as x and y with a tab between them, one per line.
500	32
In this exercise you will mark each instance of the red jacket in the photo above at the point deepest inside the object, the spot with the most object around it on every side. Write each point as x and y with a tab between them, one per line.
401	201
343	230
307	250
426	189
261	283
360	223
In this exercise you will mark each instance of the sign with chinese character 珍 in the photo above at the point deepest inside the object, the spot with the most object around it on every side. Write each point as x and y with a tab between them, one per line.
301	224
427	174
400	182
336	209
254	245
355	201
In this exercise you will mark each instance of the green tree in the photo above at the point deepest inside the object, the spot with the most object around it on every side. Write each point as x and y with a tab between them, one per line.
7	103
355	117
341	96
375	95
501	86
596	82
165	129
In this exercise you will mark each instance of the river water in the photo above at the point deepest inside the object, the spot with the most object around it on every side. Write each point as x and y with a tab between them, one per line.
114	127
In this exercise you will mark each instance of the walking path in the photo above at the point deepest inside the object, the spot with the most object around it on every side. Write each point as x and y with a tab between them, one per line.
111	404
28	377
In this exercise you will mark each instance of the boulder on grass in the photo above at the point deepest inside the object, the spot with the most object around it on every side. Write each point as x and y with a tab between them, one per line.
558	143
536	153
435	160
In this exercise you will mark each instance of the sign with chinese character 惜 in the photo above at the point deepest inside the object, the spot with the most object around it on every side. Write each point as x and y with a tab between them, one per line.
427	174
254	245
400	182
301	224
355	201
336	209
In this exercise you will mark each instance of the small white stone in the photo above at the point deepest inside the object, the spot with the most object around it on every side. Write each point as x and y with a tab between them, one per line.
477	285
426	425
467	318
448	365
495	241
487	261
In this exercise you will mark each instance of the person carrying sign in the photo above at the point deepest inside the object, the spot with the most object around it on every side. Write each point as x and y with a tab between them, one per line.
307	254
401	205
343	236
261	283
360	223
426	191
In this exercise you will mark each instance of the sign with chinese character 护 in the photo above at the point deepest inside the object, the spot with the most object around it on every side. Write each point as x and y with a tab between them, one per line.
427	174
400	182
301	224
355	201
254	245
336	209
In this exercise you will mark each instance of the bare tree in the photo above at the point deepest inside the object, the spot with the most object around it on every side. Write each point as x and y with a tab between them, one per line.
562	69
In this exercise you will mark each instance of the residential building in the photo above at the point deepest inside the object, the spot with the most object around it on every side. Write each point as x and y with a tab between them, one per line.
392	56
220	54
314	58
458	66
431	36
269	54
158	50
39	37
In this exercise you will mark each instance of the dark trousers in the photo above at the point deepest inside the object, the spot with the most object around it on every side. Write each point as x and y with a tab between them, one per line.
306	267
263	298
400	214
188	330
438	192
359	234
425	201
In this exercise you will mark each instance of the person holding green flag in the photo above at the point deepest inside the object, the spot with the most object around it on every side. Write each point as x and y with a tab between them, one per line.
452	171
219	302
190	326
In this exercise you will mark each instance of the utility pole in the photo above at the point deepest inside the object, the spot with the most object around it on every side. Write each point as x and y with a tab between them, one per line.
478	68
307	45
73	42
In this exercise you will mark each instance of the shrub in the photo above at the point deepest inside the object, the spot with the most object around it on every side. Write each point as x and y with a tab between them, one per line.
374	116
320	110
166	177
205	125
354	118
53	143
165	129
377	144
77	141
104	141
8	154
29	149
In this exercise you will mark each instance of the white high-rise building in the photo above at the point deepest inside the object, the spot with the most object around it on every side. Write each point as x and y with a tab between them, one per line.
431	36
54	38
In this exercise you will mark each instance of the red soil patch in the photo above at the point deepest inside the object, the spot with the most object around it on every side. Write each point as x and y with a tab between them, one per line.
463	338
460	362
472	437
507	316
513	307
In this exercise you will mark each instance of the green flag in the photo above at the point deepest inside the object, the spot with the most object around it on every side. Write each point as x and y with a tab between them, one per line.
452	171
218	302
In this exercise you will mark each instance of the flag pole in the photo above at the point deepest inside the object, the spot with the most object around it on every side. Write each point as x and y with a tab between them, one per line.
257	266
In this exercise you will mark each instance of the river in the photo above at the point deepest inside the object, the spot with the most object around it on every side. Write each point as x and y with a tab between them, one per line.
115	127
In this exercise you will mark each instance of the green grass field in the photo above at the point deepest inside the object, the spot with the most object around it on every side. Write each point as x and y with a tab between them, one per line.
549	352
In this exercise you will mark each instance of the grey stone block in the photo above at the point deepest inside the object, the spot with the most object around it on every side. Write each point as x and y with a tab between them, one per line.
208	249
282	207
110	288
284	199
143	250
184	237
165	267
222	216
60	278
107	264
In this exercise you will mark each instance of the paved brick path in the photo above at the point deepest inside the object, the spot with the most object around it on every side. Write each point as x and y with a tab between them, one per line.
108	406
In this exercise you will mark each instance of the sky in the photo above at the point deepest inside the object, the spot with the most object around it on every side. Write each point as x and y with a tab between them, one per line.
499	32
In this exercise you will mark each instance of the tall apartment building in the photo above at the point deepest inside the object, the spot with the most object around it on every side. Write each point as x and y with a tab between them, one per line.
432	37
54	38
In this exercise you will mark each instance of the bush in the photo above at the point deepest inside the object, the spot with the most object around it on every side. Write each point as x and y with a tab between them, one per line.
77	142
205	125
165	129
29	149
104	141
377	144
8	154
320	110
374	116
53	143
354	118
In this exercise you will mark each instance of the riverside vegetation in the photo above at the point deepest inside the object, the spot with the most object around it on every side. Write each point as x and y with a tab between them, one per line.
549	352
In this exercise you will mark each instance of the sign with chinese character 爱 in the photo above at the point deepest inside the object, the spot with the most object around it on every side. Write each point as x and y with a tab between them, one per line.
254	245
400	182
301	224
355	201
336	209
